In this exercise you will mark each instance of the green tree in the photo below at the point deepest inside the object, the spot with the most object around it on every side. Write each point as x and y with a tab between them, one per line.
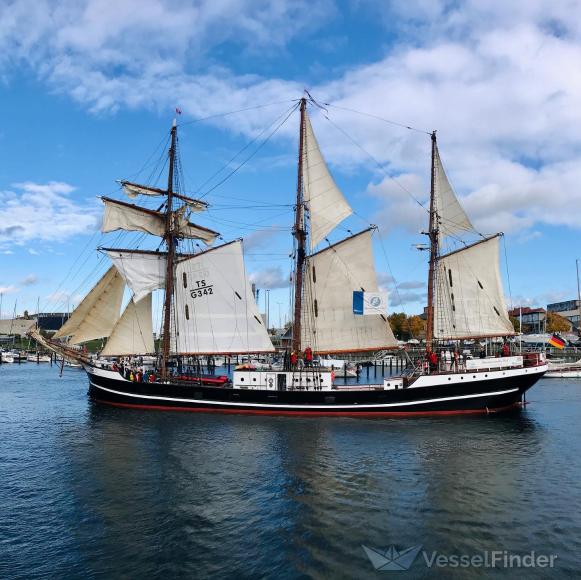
515	323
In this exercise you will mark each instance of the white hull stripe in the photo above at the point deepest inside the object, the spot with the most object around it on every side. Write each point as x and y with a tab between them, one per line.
276	406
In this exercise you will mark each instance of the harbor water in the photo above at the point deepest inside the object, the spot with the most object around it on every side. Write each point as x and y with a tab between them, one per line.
88	491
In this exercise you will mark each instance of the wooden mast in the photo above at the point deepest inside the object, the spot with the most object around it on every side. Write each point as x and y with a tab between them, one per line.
300	234
434	246
171	249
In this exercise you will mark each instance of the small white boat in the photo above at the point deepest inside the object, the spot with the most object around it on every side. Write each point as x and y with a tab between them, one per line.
563	370
7	357
38	358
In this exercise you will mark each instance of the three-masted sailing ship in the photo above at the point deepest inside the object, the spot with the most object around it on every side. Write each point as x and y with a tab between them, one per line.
337	308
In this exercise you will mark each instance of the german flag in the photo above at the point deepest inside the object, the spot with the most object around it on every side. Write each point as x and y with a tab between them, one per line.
557	342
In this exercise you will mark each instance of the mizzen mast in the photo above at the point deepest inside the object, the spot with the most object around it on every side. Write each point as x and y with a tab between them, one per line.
171	250
300	234
433	234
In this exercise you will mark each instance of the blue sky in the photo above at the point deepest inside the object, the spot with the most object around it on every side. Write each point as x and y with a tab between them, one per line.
89	88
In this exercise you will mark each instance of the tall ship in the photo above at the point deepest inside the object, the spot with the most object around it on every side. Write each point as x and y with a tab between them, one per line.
337	308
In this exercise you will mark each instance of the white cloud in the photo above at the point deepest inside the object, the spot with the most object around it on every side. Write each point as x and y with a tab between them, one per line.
29	280
8	289
499	80
43	212
270	278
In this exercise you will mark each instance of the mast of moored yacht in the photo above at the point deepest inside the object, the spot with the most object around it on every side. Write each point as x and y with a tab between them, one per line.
170	242
434	246
300	235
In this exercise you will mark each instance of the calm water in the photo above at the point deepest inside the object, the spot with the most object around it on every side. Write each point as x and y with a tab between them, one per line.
96	492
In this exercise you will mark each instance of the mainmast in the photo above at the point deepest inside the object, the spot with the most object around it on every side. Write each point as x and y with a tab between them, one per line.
171	250
434	247
300	234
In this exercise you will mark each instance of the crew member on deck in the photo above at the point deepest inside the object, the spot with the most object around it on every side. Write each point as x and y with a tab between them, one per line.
505	349
433	361
308	356
293	359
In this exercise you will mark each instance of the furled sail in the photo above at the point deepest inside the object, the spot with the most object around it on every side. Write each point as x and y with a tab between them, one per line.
134	189
97	314
452	217
469	299
142	271
125	216
328	323
133	332
214	305
326	204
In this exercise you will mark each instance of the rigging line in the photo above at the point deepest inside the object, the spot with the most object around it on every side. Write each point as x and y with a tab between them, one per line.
260	146
507	271
46	303
163	145
395	284
379	165
215	116
379	118
257	201
227	164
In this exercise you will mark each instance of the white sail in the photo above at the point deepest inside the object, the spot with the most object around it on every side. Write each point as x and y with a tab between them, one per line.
326	204
119	215
215	309
143	272
328	323
469	300
452	217
134	189
97	314
133	332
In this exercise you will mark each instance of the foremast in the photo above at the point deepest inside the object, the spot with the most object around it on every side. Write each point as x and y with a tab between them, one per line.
300	234
171	251
433	235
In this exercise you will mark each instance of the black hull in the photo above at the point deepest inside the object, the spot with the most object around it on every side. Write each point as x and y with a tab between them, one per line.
479	397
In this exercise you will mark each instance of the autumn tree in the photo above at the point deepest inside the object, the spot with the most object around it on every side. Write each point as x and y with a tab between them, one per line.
515	323
416	327
397	321
557	323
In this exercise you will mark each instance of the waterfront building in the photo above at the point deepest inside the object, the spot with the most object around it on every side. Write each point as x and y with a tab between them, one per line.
534	320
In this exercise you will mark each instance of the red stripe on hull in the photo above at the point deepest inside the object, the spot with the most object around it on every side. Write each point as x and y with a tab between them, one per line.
312	413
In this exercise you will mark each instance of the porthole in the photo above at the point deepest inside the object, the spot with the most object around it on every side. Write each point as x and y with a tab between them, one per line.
185	279
187	312
242	379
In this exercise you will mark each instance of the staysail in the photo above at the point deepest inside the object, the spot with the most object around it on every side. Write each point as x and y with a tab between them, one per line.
133	332
98	312
214	305
326	204
469	299
328	323
126	216
452	218
143	271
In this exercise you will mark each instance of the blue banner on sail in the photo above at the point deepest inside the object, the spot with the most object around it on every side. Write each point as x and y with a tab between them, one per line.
366	303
